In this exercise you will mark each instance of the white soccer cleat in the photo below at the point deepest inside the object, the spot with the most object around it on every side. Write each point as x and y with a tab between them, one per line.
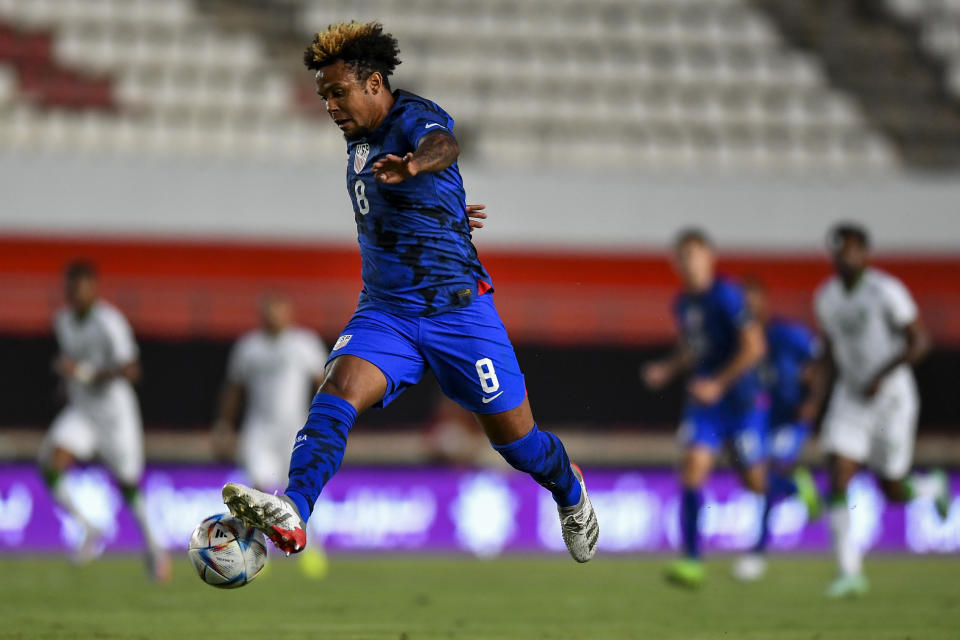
749	567
579	524
276	516
91	547
852	586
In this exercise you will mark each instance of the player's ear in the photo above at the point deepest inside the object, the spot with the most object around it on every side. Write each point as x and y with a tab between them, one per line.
375	83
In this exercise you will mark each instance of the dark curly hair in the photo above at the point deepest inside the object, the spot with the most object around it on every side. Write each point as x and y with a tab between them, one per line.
362	46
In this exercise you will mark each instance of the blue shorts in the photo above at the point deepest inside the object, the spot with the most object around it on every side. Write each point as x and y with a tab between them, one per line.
467	349
744	431
787	440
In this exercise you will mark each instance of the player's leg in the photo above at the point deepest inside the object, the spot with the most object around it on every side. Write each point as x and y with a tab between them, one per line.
541	454
271	473
351	385
785	479
374	360
122	450
850	580
516	436
749	448
71	437
893	455
475	364
845	438
695	467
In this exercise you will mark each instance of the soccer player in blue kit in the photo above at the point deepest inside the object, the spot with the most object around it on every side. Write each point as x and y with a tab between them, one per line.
426	301
786	374
721	345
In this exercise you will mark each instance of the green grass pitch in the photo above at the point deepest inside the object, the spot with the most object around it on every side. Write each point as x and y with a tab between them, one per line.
414	597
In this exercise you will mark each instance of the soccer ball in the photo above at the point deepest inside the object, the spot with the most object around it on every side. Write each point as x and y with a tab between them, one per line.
227	553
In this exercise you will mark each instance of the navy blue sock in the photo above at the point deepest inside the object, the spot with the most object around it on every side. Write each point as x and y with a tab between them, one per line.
690	503
318	450
780	486
764	539
541	454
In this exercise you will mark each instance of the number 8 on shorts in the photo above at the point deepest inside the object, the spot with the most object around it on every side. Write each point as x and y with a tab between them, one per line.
488	377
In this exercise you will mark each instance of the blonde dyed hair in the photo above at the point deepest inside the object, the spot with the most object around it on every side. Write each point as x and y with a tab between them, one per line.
362	45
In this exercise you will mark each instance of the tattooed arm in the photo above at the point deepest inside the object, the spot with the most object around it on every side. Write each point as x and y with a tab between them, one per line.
435	152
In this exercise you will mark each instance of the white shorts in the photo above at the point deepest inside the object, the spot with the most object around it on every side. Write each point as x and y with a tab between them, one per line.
879	432
115	437
264	452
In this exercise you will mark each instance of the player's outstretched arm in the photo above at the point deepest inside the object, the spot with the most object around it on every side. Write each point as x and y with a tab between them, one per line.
435	152
659	373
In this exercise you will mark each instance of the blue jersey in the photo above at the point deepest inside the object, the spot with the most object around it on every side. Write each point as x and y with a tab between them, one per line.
710	325
790	347
418	257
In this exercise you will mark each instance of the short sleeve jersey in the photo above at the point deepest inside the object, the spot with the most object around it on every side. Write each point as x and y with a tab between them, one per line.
418	257
277	373
790	347
865	325
101	339
710	325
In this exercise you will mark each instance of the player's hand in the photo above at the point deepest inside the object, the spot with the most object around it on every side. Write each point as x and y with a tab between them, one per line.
476	213
706	391
392	169
656	375
64	366
73	370
870	389
808	412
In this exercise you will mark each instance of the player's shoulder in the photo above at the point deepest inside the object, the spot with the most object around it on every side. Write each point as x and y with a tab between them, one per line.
61	314
303	334
788	329
827	289
412	109
407	101
726	285
882	280
108	314
727	291
250	340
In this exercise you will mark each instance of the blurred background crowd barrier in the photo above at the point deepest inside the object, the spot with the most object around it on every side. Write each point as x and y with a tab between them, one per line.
179	144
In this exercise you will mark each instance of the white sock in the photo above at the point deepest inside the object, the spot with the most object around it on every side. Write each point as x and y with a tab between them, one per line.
849	557
139	509
62	496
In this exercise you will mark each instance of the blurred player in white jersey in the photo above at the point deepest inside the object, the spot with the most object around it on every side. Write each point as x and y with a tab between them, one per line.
872	335
275	370
98	361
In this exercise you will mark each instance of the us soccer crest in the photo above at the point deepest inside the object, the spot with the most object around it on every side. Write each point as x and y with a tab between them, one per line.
360	154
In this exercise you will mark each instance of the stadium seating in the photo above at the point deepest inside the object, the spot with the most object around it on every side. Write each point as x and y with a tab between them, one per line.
614	83
939	22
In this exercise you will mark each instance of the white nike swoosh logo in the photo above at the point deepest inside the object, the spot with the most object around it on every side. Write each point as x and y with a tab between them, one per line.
491	398
434	124
298	446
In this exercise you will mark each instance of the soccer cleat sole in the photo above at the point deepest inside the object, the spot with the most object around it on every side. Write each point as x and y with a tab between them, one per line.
240	505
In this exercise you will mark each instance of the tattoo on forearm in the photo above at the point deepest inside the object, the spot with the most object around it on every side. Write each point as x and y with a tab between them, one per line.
436	151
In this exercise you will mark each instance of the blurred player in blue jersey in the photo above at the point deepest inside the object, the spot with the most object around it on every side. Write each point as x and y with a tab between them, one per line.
721	345
427	301
785	373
